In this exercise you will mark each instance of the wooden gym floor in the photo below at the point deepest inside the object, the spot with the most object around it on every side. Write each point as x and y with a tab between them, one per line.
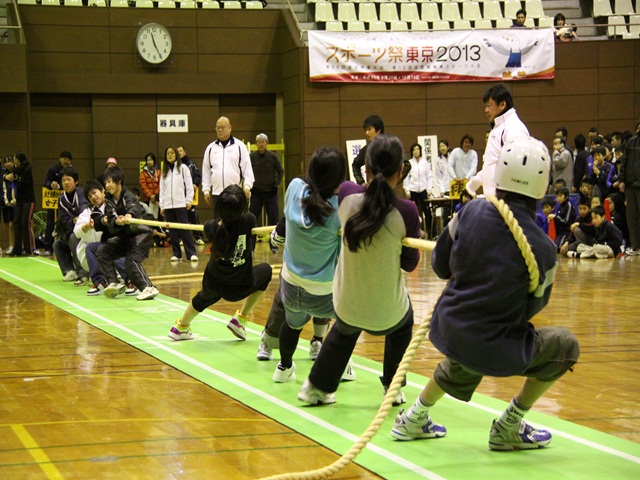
78	403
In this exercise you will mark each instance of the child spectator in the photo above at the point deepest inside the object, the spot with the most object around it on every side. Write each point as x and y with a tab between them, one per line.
596	201
471	323
548	206
368	288
312	224
604	243
564	216
70	204
558	184
129	240
603	172
230	274
465	197
583	220
585	190
618	212
176	195
8	200
22	176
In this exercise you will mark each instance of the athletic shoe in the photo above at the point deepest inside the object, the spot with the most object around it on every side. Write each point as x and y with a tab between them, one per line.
284	375
524	438
70	276
312	395
236	325
114	289
194	258
149	293
9	250
46	253
314	348
80	281
572	254
175	259
265	352
199	242
178	332
349	374
405	429
131	290
399	399
97	289
629	251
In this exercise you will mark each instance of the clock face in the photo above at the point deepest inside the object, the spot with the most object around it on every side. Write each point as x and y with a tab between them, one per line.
154	43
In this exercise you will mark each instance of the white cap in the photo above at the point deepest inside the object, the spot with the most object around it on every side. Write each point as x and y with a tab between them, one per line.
523	167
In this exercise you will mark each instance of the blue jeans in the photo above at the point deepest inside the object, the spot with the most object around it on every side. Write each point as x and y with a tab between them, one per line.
300	305
94	268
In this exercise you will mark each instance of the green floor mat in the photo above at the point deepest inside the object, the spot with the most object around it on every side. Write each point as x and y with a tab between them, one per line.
218	359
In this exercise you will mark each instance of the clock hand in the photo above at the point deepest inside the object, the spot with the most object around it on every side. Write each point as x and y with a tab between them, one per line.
153	39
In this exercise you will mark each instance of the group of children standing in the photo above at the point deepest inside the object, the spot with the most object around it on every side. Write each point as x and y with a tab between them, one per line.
17	203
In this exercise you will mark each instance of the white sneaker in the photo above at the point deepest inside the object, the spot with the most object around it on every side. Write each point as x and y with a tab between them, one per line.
284	375
114	289
629	251
9	250
349	374
312	395
314	348
199	242
149	293
70	276
175	259
399	399
131	290
194	258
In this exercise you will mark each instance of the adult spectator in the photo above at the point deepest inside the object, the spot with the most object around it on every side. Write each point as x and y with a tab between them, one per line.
521	17
53	181
463	161
579	162
629	184
196	179
562	162
373	126
564	32
505	127
226	162
268	174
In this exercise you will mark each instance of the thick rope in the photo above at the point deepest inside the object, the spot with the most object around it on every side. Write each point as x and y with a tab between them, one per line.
407	241
403	368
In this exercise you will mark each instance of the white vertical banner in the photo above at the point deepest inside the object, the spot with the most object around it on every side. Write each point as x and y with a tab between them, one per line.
353	148
429	144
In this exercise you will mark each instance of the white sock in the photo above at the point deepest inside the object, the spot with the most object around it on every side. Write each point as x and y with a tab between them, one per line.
512	416
320	331
418	411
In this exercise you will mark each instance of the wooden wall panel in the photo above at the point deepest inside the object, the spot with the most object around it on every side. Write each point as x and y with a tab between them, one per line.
13	79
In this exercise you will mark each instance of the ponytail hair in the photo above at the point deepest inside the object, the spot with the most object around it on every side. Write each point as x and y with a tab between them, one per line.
230	207
384	159
326	171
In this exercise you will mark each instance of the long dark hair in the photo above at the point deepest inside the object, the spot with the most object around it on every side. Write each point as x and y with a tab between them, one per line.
166	166
384	159
230	207
325	173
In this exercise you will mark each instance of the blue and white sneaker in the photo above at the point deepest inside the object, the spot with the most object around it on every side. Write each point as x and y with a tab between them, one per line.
405	429
524	438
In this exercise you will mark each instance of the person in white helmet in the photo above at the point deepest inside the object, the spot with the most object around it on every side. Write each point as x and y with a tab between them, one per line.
482	321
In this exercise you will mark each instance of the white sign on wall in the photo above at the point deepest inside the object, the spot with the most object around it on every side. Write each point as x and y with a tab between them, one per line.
173	123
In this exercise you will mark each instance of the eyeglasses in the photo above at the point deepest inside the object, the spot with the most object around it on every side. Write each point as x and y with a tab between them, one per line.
223	127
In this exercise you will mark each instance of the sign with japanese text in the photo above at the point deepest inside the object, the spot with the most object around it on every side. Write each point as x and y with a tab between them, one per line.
353	149
456	188
50	198
173	123
429	145
451	56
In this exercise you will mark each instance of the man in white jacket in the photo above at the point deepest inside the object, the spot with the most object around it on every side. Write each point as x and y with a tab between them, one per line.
226	162
505	126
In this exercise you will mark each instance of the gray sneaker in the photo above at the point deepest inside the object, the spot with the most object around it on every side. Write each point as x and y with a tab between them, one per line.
405	429
312	395
314	348
149	293
265	352
114	289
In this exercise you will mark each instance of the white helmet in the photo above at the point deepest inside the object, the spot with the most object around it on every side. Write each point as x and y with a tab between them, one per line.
523	167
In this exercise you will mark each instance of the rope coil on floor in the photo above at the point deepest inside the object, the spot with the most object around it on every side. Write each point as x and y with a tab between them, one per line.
420	334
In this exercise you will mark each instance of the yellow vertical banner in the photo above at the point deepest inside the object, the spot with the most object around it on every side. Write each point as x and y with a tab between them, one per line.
196	196
50	198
